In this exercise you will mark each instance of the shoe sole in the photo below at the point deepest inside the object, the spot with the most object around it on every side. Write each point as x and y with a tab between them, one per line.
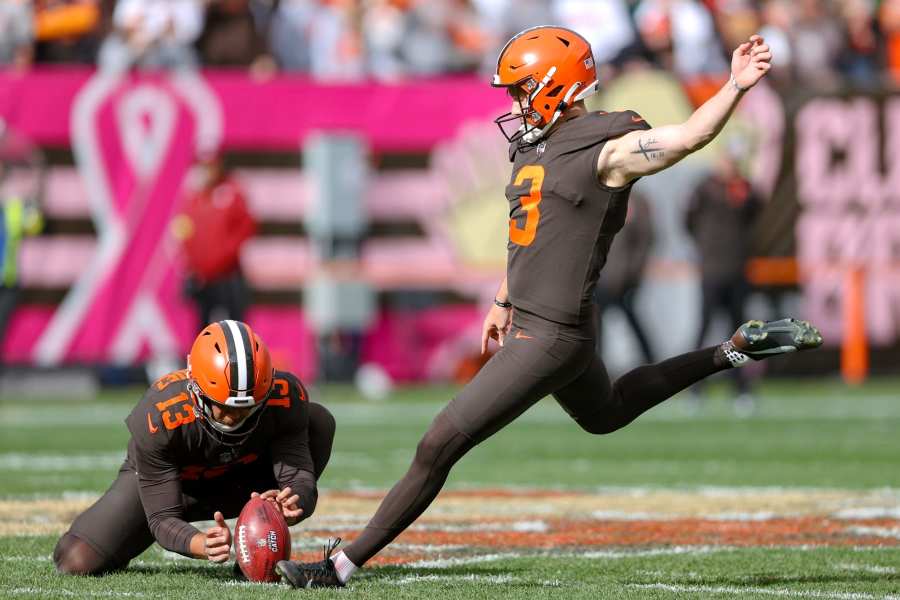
285	577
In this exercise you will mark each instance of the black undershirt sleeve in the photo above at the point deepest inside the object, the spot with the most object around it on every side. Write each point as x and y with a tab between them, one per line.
292	463
159	487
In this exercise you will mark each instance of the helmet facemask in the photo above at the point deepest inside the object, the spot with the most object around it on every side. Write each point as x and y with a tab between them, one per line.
547	70
527	121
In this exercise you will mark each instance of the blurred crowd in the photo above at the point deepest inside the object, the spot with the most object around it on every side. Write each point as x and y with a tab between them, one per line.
815	42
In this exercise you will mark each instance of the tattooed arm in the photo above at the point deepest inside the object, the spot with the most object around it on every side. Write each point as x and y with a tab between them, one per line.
640	153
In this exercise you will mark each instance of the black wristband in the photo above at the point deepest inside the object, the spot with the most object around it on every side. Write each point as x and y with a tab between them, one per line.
502	304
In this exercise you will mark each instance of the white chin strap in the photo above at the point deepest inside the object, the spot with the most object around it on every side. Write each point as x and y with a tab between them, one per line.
534	134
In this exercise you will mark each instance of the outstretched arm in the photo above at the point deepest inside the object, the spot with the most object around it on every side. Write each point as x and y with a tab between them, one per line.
640	153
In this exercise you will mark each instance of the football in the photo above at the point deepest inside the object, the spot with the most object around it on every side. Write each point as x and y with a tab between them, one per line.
261	539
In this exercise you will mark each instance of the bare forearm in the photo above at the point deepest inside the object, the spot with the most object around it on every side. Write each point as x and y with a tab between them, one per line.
198	546
503	292
708	120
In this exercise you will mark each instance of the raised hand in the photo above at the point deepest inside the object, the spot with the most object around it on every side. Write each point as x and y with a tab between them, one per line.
750	62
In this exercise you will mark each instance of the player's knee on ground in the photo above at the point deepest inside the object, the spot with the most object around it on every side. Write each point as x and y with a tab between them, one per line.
73	556
321	436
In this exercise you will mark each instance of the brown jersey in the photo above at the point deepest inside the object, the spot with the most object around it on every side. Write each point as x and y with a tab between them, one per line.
172	452
562	218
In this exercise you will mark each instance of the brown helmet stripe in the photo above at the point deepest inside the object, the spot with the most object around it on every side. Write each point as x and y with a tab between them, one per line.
240	355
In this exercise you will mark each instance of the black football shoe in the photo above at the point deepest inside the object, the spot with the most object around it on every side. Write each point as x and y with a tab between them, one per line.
237	573
759	340
320	574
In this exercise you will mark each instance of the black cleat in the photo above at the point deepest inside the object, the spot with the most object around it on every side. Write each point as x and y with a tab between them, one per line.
237	573
759	340
320	574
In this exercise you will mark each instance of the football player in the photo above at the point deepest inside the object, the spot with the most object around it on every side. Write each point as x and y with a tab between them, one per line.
203	441
568	196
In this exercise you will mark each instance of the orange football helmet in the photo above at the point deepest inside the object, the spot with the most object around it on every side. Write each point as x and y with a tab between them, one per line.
230	365
547	69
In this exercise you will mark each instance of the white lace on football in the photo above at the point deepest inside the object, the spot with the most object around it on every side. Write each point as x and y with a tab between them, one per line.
733	356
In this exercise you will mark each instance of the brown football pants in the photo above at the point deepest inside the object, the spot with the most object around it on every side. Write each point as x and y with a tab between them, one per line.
114	530
539	358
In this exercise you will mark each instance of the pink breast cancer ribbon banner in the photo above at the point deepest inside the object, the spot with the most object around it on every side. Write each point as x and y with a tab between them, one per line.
134	138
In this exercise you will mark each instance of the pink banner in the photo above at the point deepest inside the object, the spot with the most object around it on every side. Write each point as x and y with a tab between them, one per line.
277	113
134	138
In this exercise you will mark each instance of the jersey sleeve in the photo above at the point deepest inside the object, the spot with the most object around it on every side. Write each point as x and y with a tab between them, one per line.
625	122
292	462
154	450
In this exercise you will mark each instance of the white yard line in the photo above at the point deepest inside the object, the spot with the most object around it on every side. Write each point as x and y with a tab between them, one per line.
875	569
743	591
446	563
29	591
491	579
882	532
24	461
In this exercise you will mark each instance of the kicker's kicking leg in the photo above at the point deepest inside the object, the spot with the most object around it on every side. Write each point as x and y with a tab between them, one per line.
600	406
527	369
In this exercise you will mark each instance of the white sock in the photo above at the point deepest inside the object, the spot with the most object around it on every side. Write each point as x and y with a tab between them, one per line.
344	566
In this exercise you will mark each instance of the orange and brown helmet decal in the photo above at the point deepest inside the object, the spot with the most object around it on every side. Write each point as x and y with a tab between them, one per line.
230	364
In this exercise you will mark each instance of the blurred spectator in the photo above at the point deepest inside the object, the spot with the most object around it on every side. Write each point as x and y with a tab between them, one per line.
682	38
67	30
606	24
682	34
289	34
153	34
778	17
889	20
16	33
417	37
19	215
621	277
860	62
320	37
720	218
212	229
235	35
736	21
818	43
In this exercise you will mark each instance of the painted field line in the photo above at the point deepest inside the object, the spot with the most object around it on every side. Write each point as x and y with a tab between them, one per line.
882	532
25	591
472	578
743	591
25	461
876	569
874	512
446	563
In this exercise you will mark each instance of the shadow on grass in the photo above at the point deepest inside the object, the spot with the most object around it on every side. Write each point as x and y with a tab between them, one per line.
772	579
206	572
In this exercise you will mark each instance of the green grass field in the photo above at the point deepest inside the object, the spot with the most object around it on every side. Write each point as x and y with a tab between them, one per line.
814	449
